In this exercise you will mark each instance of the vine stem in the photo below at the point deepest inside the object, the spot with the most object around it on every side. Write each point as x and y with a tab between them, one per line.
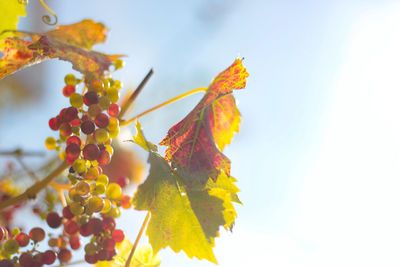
134	95
146	220
126	122
32	191
46	18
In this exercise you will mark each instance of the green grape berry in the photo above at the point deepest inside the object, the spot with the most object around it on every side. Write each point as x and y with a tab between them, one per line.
79	165
72	179
90	249
76	100
101	135
11	246
76	208
95	204
104	102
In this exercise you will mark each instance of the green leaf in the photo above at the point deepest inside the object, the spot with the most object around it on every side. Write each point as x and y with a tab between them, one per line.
225	189
182	217
141	141
173	222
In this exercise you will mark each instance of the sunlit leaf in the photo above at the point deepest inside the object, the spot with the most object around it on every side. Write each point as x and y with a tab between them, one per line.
195	143
180	218
11	10
70	43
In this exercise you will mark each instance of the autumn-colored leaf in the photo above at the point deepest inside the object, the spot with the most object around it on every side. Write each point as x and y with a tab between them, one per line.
70	43
181	218
195	143
82	34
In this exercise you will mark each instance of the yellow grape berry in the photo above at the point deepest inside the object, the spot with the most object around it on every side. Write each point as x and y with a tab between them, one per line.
113	191
114	133
99	189
50	143
113	95
113	123
117	84
107	206
70	79
82	188
115	212
62	155
15	231
102	179
106	83
92	173
96	86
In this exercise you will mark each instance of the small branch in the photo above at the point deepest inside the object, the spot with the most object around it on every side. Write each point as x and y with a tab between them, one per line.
134	95
19	153
32	191
62	197
59	186
123	123
146	220
26	169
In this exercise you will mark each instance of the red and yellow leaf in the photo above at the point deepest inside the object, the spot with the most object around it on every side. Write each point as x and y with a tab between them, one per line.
69	42
195	143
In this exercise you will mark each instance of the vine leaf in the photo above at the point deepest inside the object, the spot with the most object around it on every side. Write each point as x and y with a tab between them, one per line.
70	43
195	143
10	13
225	189
181	218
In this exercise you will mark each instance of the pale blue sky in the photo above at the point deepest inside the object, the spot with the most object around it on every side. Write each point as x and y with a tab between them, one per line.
304	142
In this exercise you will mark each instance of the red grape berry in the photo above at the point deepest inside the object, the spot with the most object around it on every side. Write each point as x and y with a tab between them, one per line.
37	234
53	220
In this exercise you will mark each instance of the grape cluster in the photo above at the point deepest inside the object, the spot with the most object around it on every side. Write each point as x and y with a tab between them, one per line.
15	240
86	129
